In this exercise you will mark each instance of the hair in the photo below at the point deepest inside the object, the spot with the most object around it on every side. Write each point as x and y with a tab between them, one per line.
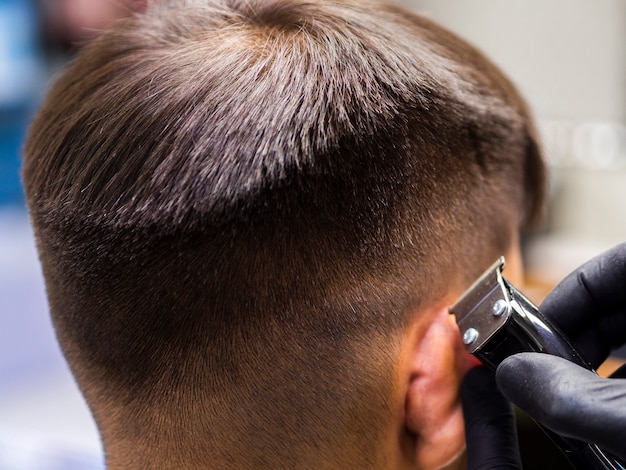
238	204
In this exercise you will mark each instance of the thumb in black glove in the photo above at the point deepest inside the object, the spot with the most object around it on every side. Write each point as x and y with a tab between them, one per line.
567	399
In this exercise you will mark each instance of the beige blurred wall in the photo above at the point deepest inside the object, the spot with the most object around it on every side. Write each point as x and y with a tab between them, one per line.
568	57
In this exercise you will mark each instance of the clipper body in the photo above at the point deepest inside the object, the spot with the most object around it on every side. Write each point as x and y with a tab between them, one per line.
496	321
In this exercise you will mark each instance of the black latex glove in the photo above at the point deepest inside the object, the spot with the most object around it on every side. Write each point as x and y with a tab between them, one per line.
489	424
589	306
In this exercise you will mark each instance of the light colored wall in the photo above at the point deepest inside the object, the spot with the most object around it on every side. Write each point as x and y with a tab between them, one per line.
568	57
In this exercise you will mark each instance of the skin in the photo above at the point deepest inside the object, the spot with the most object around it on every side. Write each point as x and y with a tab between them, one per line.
426	431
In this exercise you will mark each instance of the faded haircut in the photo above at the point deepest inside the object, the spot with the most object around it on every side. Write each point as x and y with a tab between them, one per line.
241	199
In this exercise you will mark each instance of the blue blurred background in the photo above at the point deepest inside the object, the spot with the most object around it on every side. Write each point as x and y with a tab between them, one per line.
38	429
44	422
567	56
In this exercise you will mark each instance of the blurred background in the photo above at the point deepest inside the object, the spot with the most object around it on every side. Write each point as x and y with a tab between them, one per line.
568	57
44	423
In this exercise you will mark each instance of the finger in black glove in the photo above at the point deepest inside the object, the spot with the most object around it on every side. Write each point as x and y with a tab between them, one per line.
589	305
490	430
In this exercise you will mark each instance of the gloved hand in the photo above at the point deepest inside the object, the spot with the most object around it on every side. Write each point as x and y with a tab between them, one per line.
490	430
589	306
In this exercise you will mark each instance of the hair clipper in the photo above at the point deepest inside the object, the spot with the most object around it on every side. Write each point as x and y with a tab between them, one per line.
496	320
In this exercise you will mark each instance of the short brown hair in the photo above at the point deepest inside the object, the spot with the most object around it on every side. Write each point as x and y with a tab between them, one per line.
224	190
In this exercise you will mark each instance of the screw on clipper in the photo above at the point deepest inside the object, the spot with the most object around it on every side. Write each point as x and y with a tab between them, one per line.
499	307
470	335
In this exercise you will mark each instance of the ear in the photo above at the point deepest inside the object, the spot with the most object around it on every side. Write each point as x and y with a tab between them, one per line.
437	362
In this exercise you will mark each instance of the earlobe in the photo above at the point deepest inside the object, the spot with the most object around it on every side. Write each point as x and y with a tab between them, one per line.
433	414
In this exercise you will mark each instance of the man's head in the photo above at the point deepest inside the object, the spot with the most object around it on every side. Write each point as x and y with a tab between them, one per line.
252	216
